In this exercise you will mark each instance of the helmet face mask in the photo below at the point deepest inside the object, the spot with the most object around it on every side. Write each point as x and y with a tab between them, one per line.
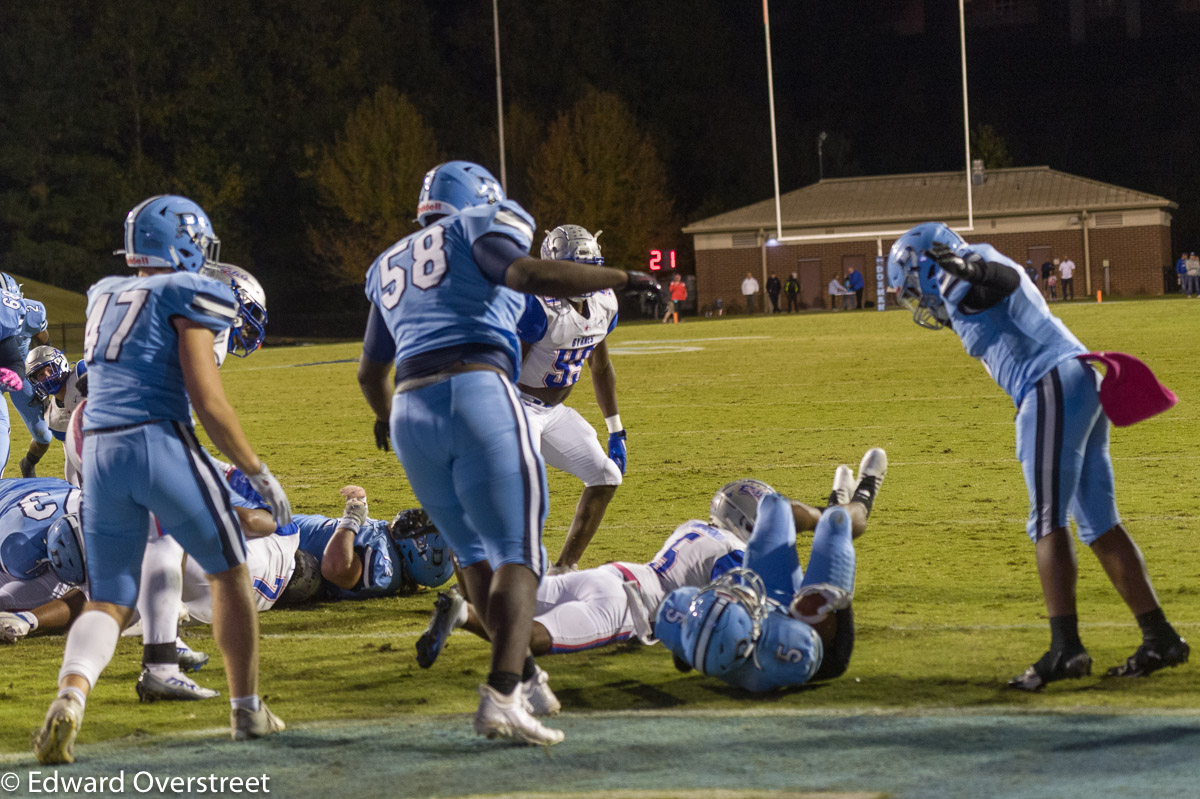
47	370
726	618
171	232
734	508
304	582
913	274
453	187
573	243
250	327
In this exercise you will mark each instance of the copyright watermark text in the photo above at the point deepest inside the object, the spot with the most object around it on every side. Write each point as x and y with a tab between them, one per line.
50	783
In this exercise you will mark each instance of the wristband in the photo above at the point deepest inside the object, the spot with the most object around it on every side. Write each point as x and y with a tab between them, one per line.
614	423
348	522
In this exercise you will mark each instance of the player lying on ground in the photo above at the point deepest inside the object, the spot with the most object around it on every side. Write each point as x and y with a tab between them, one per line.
361	557
557	337
617	601
1062	433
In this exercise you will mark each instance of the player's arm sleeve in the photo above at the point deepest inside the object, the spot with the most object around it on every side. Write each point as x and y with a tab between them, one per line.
613	324
532	325
495	252
35	319
208	303
991	284
378	345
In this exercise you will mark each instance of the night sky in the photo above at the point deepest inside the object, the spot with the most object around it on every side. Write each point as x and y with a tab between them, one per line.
232	102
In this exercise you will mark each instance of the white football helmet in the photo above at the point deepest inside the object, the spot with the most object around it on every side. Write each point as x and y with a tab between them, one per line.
734	508
38	359
250	326
573	243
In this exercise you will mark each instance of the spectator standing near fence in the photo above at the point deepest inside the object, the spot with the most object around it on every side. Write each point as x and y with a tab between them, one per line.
1067	270
855	282
678	291
836	289
1031	270
774	286
749	289
791	287
1181	273
1047	271
1193	275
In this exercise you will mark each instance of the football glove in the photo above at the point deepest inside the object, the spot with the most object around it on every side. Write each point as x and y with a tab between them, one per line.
616	449
382	435
15	626
241	486
10	380
969	268
411	523
639	281
266	485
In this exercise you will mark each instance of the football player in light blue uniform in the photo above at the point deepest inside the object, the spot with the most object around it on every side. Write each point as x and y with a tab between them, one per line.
773	624
21	321
148	345
28	508
445	303
1062	435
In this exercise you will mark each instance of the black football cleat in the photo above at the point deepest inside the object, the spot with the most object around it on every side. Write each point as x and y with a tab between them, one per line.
1150	657
1054	665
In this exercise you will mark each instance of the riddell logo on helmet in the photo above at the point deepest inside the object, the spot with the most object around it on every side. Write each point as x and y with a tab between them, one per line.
137	260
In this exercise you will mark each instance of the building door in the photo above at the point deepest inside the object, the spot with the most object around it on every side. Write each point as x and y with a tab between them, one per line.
808	270
1038	256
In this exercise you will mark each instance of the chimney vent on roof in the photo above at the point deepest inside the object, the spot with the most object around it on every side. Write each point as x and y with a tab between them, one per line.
977	176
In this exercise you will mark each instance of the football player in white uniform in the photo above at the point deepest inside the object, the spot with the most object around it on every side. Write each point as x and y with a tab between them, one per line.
617	601
60	387
557	337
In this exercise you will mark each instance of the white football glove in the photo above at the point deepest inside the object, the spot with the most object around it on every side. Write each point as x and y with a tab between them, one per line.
355	514
15	626
268	486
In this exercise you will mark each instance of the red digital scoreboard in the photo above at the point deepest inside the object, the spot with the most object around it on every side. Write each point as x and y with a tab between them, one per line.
660	260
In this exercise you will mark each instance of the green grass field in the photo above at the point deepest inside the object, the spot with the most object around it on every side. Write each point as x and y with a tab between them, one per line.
948	605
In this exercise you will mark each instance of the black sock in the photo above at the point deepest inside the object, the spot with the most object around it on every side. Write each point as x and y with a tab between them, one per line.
1155	627
504	681
865	492
529	670
1064	633
33	458
159	654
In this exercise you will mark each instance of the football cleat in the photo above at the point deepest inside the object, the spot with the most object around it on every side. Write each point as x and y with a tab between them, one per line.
540	700
1053	666
843	485
449	613
871	472
177	686
54	743
1150	657
501	716
190	659
248	724
13	627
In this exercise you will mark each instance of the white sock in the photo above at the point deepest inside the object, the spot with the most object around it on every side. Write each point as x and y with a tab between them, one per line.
79	695
90	645
161	590
250	703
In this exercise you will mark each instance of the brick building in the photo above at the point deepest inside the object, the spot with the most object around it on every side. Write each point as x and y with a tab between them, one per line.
1120	239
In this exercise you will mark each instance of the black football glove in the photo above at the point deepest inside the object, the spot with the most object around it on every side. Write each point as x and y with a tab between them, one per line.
968	269
381	435
640	281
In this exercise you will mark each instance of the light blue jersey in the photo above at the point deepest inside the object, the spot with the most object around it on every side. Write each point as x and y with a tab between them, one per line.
432	293
27	510
1017	339
131	346
386	565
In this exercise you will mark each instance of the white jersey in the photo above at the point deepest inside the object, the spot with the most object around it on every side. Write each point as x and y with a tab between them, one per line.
270	559
57	412
696	554
562	338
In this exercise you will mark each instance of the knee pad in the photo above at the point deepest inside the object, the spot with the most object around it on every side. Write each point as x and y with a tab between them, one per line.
838	651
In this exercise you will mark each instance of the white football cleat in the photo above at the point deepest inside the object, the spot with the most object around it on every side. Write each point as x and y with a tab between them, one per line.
449	613
501	716
189	659
843	485
54	743
176	686
248	724
871	472
14	627
540	699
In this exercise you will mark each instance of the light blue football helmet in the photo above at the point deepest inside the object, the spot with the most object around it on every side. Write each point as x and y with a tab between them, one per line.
427	559
913	274
9	283
65	548
724	622
51	381
169	231
455	186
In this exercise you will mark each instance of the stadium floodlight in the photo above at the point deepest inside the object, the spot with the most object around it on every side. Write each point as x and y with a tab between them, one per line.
879	235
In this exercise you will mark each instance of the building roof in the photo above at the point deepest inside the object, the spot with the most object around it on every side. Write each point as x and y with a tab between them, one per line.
931	195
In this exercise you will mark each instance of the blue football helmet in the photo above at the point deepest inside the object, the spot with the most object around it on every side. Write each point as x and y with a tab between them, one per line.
734	508
53	367
65	548
169	231
455	186
724	622
250	327
21	558
9	284
913	274
427	559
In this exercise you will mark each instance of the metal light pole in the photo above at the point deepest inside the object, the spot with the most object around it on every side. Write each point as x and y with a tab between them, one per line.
774	146
821	155
499	94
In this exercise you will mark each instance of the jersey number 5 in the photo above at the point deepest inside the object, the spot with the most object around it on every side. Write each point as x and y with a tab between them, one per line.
427	263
